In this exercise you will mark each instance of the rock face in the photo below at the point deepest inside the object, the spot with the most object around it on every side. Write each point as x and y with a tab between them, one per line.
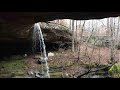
14	38
17	38
15	31
55	39
56	36
32	17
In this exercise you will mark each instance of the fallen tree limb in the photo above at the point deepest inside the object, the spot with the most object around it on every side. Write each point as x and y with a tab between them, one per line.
90	71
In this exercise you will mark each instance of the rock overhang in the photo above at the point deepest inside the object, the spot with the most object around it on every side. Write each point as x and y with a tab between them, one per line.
32	17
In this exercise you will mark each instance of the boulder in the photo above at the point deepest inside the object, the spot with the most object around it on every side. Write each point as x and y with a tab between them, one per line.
50	54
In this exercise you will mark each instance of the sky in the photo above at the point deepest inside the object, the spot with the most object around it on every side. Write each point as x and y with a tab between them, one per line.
96	22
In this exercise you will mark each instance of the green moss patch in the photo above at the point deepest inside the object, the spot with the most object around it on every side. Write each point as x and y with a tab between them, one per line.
56	75
115	70
13	66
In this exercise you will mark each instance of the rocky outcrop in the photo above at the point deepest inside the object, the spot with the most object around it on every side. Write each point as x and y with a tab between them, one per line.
56	39
16	28
17	38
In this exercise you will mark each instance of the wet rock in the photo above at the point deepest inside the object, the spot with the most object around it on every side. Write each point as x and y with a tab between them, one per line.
30	73
42	60
37	75
34	74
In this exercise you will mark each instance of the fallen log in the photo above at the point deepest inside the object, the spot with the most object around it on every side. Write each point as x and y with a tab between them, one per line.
90	71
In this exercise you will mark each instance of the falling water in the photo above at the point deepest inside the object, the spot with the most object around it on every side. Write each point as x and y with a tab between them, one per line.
39	40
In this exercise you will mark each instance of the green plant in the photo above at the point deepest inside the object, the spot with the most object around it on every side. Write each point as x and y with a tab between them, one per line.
115	70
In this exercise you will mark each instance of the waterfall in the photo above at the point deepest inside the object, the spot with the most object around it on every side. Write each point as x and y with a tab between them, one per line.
38	43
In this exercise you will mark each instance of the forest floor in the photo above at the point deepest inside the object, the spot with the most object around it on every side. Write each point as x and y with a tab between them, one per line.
64	64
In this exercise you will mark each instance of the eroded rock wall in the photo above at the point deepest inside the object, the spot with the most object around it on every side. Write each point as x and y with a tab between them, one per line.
17	38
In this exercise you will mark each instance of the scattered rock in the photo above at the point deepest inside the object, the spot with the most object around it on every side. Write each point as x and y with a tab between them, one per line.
50	54
30	73
25	55
33	74
37	75
66	75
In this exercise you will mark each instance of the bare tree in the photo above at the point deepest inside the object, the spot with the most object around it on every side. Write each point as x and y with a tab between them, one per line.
117	33
112	56
87	41
70	26
88	38
108	26
116	39
73	35
76	30
80	40
76	38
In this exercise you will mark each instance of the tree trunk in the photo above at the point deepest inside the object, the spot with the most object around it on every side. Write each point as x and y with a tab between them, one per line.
76	37
80	40
112	59
73	47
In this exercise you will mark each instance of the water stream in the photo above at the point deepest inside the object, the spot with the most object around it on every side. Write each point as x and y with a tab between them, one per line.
38	44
